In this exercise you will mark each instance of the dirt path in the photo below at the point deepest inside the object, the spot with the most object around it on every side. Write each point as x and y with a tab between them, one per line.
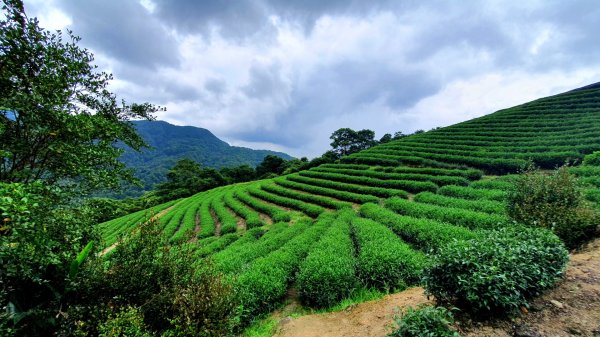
571	309
366	319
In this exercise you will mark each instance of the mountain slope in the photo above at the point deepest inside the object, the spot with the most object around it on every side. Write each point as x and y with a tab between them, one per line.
170	143
378	209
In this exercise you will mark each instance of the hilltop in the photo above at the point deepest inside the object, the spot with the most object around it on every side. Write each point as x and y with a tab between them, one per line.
169	143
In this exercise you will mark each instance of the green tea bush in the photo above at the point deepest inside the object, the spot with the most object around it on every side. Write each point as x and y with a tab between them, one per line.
499	272
228	220
315	199
277	214
330	192
309	209
406	185
265	282
423	233
486	206
592	159
360	189
425	322
250	216
472	193
416	176
207	224
328	273
234	259
455	216
384	260
555	202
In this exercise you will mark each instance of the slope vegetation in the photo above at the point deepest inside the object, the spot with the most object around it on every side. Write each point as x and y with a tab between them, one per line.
367	221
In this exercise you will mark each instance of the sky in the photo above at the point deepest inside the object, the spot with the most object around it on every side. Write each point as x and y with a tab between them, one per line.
284	75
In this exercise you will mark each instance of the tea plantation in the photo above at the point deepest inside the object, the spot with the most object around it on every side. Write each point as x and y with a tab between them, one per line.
371	219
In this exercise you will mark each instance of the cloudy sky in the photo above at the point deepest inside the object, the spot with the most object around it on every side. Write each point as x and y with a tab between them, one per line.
284	74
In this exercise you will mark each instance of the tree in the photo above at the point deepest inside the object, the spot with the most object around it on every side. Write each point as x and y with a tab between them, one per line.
347	141
238	174
386	138
270	165
58	121
187	177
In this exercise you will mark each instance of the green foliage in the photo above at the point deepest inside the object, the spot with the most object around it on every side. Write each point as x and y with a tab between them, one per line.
186	178
128	322
436	179
472	193
423	233
234	258
250	216
592	159
228	220
406	185
276	213
425	322
315	199
499	272
486	206
555	202
270	165
384	261
40	240
265	282
330	192
172	293
327	275
346	141
455	216
58	121
354	188
309	209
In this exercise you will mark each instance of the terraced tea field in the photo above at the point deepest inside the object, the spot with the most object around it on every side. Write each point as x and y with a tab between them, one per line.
369	220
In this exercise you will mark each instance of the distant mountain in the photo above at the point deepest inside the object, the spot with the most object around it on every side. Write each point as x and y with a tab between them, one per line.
170	143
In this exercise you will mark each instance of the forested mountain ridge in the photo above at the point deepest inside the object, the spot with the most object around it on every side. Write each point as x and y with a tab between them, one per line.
169	143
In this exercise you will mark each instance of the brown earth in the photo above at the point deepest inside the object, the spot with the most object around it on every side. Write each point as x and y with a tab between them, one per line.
571	309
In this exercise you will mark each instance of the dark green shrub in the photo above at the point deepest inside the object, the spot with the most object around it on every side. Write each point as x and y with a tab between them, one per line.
499	272
555	202
425	322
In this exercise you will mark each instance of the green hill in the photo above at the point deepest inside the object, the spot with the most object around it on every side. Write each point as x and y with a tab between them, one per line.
368	220
170	143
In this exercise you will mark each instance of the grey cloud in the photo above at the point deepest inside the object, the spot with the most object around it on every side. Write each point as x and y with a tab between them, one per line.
123	30
243	18
215	86
264	81
334	92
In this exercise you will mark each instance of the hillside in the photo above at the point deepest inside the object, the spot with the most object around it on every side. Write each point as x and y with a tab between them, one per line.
170	143
368	221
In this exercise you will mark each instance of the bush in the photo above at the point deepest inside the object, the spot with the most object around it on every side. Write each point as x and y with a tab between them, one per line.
426	321
128	322
592	159
499	272
384	260
328	275
555	202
